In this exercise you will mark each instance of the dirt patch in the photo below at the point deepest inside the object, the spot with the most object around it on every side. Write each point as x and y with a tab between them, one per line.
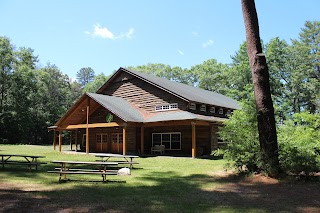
271	194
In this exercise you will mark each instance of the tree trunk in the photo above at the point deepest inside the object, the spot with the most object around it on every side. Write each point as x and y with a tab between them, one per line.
260	76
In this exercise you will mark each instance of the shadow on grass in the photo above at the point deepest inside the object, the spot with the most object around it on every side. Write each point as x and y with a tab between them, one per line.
167	192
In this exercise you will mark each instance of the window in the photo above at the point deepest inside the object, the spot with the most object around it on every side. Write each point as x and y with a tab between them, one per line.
174	106
212	109
228	112
167	107
221	111
192	106
171	140
203	108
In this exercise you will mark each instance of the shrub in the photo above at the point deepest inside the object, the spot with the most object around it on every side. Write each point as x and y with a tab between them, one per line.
240	131
298	140
299	144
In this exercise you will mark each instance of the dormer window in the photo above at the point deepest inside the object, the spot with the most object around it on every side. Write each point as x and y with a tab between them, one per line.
192	106
203	108
212	110
166	107
221	111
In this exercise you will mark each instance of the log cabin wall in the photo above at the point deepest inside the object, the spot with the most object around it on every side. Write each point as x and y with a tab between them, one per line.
144	95
131	139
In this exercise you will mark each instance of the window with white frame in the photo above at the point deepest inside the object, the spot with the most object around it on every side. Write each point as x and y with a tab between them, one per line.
203	108
167	107
221	111
192	106
212	109
171	140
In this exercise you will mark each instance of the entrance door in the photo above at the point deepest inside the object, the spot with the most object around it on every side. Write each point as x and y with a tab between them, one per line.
117	142
102	142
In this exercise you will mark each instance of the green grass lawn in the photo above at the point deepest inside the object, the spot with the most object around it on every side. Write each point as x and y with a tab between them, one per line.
157	184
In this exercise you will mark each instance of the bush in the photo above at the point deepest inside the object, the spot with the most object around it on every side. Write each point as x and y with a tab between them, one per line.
298	140
241	132
299	144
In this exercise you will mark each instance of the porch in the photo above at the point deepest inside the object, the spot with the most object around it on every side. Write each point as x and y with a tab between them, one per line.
181	138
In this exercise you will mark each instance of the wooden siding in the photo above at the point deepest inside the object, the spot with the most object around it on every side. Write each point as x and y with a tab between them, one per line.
145	96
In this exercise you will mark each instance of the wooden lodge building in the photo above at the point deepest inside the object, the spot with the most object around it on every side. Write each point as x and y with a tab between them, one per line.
133	111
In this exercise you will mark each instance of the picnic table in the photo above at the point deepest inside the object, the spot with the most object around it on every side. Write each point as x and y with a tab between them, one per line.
67	167
127	159
29	160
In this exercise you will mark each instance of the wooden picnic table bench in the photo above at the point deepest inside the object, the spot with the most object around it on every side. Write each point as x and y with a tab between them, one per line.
67	167
29	160
127	159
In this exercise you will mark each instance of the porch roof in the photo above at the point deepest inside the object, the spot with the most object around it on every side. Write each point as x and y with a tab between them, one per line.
118	106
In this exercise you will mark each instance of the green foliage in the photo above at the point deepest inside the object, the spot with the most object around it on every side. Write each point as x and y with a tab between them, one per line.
211	75
85	75
166	71
241	134
299	144
97	82
31	98
298	139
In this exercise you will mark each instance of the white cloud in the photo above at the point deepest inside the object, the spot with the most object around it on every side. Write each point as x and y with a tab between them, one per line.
127	35
180	52
207	43
105	33
102	32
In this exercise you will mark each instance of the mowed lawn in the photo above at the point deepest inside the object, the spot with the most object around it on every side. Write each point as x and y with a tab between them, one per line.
157	184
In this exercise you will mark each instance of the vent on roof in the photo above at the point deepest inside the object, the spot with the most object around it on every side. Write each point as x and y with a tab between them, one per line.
193	106
212	109
221	111
203	108
166	107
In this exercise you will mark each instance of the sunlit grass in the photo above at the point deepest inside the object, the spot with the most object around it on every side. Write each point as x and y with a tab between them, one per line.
156	184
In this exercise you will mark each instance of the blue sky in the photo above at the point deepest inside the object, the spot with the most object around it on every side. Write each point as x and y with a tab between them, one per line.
106	35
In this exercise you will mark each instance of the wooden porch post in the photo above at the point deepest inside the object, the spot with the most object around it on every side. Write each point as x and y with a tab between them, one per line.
87	129
54	139
60	140
142	140
194	142
70	139
124	142
76	139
